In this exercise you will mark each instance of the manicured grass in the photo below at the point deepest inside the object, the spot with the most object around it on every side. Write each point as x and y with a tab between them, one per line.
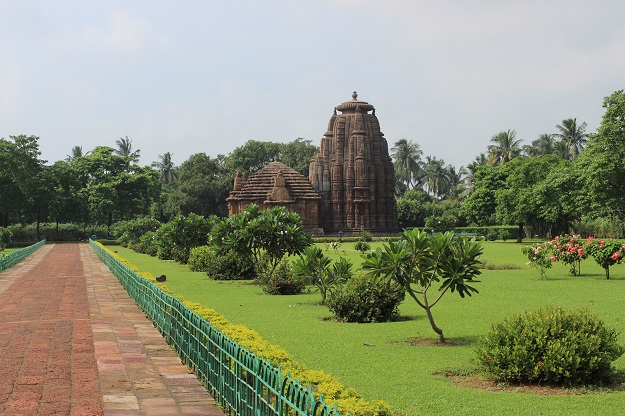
396	371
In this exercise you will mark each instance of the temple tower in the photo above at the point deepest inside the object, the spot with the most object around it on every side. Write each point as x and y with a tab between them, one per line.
353	172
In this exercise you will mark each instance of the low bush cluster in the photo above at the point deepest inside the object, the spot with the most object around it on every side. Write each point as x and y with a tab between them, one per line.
57	232
552	345
226	266
365	298
281	280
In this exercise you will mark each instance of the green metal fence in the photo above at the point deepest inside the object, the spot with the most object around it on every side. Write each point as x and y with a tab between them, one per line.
14	257
241	382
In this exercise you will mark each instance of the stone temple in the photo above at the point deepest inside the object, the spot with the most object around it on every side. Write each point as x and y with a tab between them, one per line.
351	183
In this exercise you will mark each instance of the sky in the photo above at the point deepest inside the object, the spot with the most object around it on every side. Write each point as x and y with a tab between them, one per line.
206	76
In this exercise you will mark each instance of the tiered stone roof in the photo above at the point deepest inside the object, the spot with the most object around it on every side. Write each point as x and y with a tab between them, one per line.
262	184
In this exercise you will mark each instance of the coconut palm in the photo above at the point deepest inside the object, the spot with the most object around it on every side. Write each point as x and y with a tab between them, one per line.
124	149
75	154
505	147
544	145
407	162
165	165
436	176
469	174
573	135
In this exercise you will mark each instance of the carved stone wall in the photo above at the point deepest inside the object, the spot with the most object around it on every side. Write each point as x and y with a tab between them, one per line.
353	172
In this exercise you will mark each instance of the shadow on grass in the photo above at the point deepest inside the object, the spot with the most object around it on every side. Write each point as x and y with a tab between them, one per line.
475	378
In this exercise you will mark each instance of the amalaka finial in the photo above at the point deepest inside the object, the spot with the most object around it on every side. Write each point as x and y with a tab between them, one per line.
354	95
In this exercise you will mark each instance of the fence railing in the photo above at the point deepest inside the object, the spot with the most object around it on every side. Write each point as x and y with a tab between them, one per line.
240	381
14	257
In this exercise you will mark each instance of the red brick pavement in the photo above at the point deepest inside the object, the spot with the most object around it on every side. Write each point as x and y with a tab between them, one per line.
73	343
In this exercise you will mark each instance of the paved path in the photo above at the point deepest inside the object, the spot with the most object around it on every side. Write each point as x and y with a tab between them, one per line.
72	342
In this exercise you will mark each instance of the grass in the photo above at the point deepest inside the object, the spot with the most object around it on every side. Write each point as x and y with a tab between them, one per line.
377	359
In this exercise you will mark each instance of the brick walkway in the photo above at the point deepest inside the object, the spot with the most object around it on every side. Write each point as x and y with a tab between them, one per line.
73	342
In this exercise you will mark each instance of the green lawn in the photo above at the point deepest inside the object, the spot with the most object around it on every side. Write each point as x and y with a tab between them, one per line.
392	369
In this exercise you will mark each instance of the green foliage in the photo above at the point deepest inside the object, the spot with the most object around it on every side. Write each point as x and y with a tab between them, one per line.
130	232
5	237
569	250
175	239
145	244
366	298
261	235
227	266
553	345
57	232
606	252
279	279
600	165
366	236
418	261
314	267
362	246
540	256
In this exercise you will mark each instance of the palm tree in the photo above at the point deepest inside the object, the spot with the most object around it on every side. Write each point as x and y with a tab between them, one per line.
469	174
544	145
76	153
169	171
573	135
124	149
436	176
407	155
505	147
562	150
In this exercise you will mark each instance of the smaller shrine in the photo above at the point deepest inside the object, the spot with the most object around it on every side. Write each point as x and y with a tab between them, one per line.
277	184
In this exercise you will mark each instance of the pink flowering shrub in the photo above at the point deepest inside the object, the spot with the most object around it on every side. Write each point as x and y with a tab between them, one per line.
540	256
605	252
569	250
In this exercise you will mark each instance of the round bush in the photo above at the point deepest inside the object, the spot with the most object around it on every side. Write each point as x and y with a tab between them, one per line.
365	298
553	345
227	266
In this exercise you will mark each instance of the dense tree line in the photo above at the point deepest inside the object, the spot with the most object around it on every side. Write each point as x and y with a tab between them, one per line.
561	181
107	184
567	181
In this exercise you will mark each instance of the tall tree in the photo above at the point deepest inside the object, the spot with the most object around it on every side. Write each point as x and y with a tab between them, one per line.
166	167
76	152
436	176
574	136
124	149
505	147
602	164
297	154
407	161
544	145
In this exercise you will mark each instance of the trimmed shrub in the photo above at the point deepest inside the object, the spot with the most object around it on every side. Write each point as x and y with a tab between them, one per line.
130	232
553	345
362	246
282	281
57	232
227	266
365	298
366	236
5	237
175	239
145	244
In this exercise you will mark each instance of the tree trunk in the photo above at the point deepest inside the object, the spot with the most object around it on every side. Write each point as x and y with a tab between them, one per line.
607	272
436	329
519	235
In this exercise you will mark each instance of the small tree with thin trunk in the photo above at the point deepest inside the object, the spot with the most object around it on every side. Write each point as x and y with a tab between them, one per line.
418	261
